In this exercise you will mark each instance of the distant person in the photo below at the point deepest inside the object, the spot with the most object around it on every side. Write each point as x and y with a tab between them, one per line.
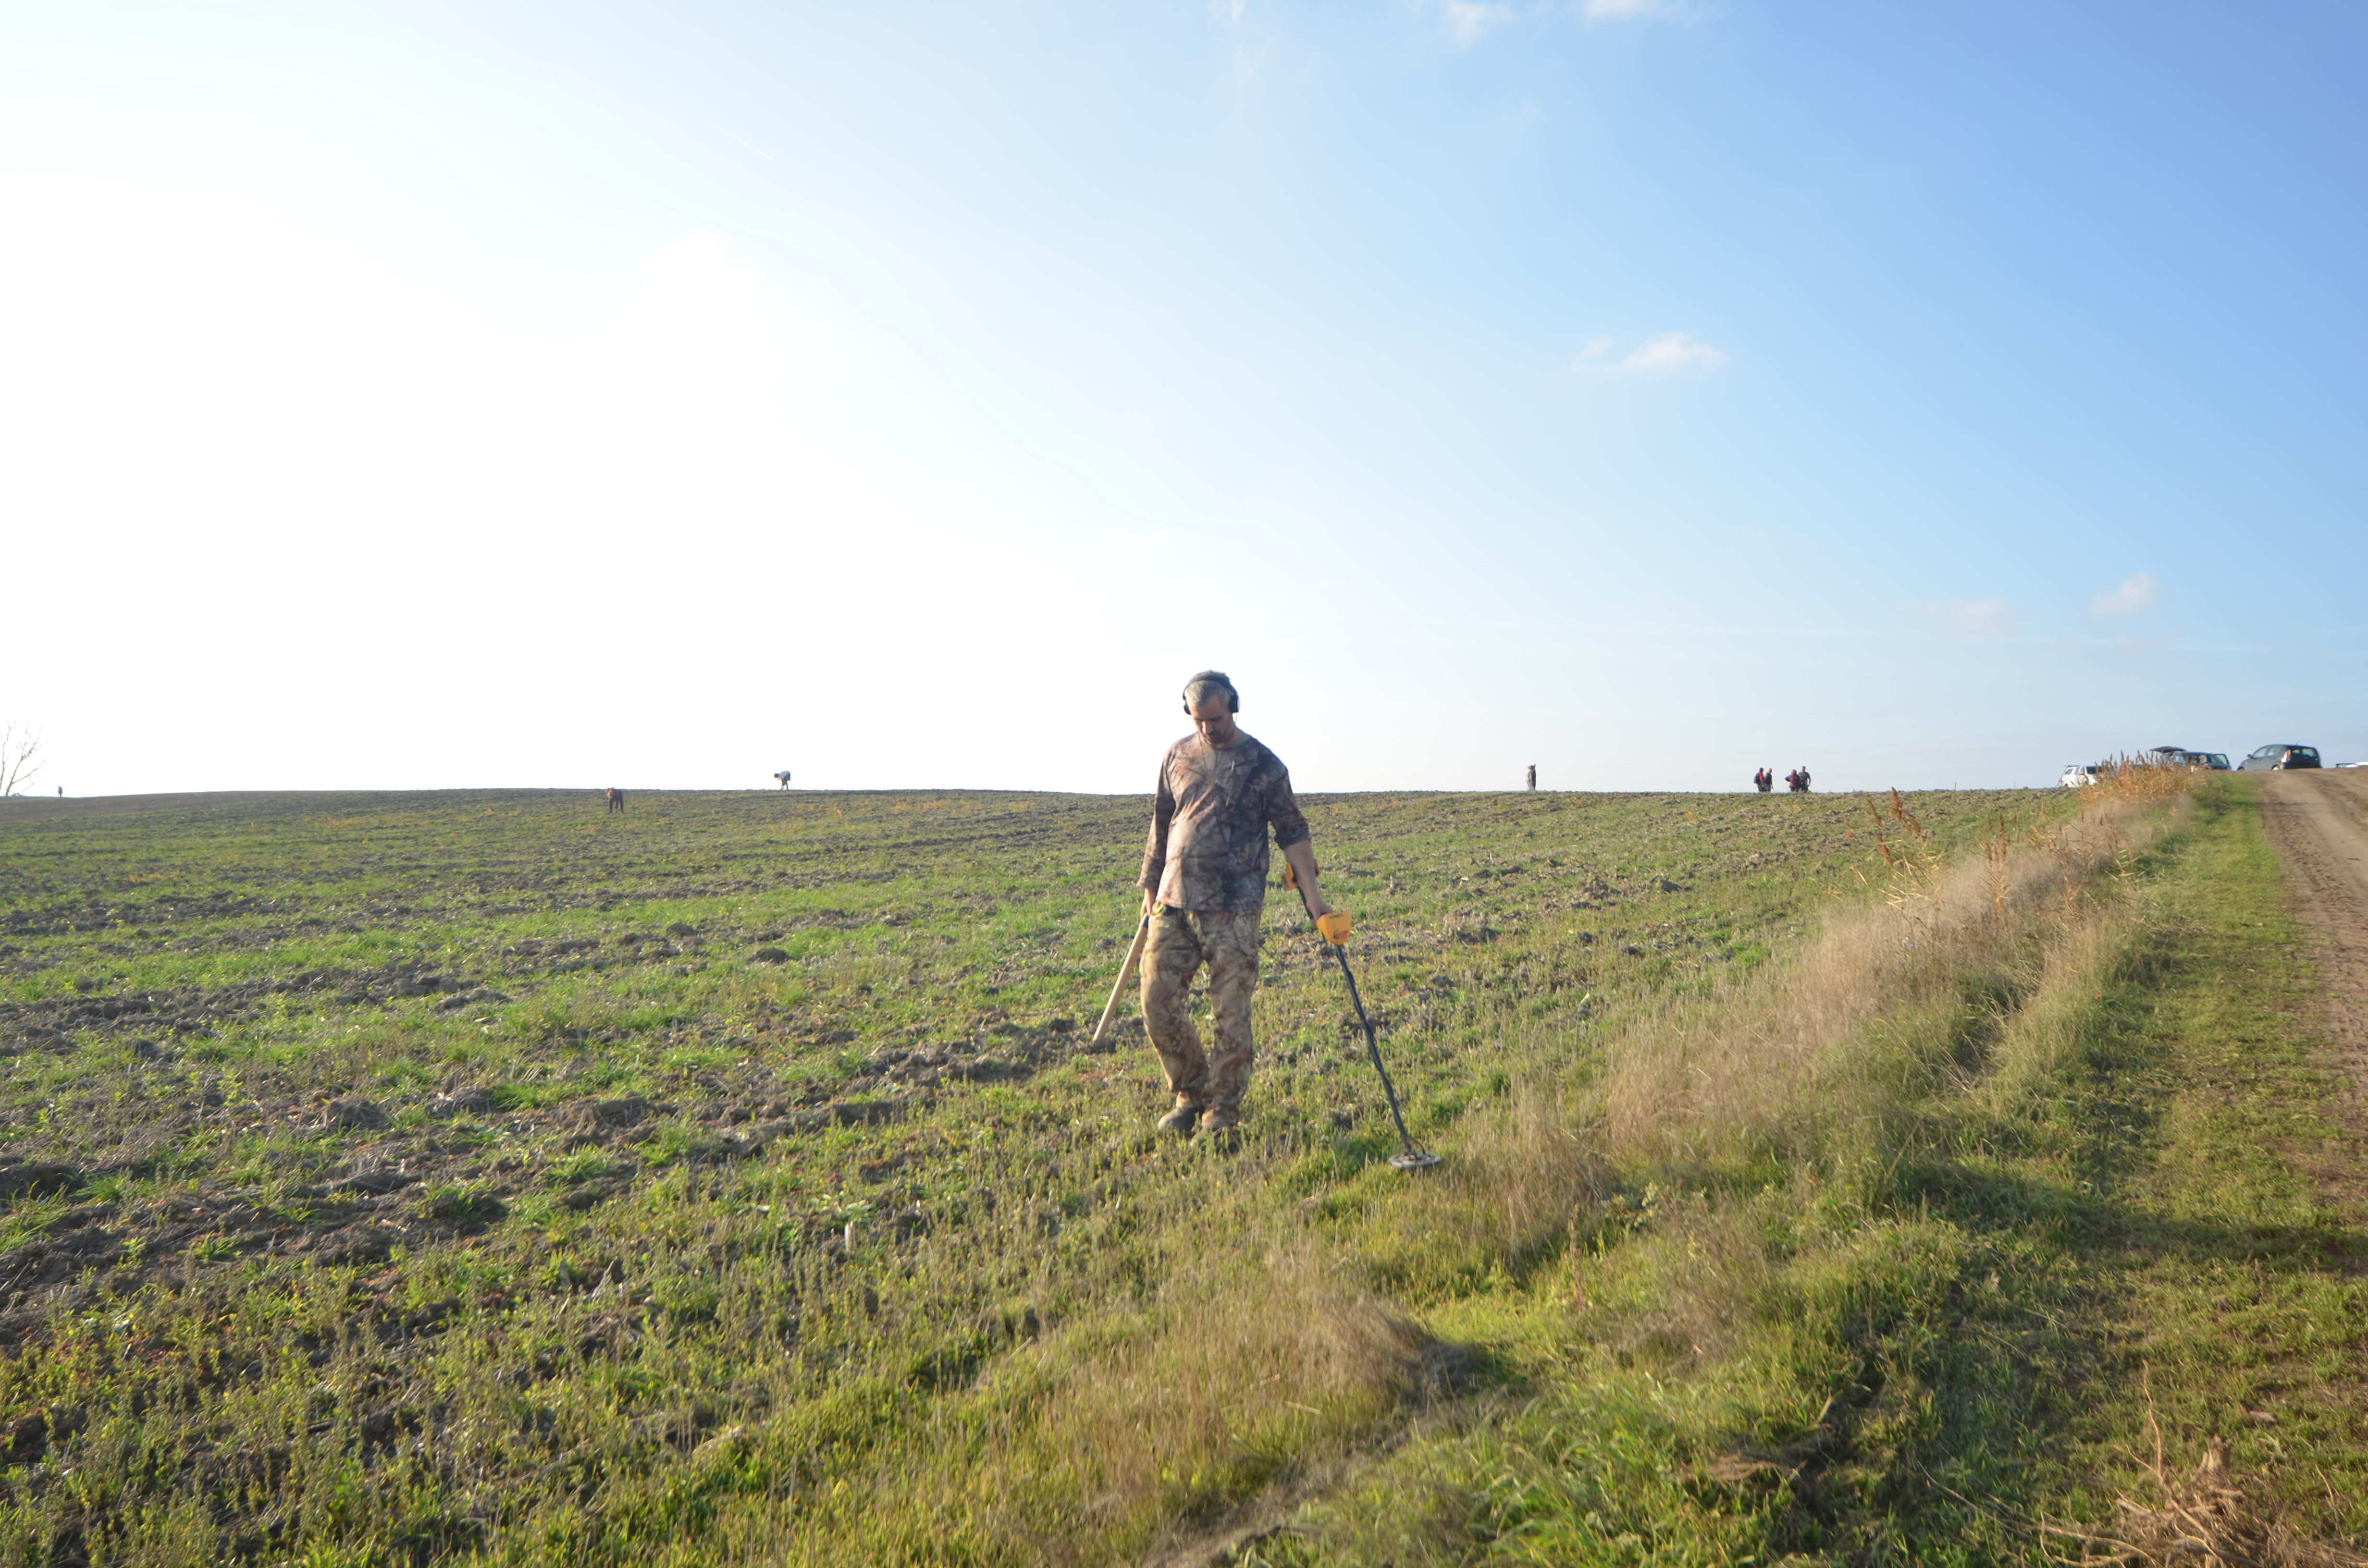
1763	781
1533	775
1203	885
784	777
616	800
61	792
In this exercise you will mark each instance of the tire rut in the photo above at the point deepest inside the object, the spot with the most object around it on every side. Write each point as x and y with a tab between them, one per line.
2319	820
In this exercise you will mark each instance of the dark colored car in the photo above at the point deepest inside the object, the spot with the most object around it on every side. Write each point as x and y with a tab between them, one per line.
2268	759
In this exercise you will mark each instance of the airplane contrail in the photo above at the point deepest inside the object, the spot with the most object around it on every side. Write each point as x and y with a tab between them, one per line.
742	140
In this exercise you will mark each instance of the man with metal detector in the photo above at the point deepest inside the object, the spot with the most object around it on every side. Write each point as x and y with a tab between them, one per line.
1203	890
1204	871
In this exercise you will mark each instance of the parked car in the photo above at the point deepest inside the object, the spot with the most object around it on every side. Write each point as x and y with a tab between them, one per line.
2180	757
2077	774
2217	761
2276	758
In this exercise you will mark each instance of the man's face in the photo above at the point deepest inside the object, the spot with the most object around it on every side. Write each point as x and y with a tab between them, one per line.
1211	718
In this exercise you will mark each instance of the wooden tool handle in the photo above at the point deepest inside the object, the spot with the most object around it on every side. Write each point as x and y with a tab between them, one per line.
1118	986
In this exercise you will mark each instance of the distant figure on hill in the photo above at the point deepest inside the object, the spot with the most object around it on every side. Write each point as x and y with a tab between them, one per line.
1797	781
784	777
1763	781
1533	775
615	799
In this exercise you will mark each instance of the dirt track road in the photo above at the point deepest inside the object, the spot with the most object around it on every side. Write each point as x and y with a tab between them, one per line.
2319	821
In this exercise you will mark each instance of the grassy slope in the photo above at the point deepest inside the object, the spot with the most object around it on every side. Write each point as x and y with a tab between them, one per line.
226	1346
1045	1337
1955	1354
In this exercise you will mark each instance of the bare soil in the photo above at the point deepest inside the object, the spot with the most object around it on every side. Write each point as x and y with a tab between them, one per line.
2319	820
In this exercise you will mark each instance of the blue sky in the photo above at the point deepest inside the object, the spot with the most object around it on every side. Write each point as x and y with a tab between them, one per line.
911	395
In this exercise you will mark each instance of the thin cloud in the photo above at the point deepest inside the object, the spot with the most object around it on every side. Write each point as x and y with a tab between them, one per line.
1626	10
1229	12
2135	594
1982	618
1670	353
1594	348
1468	19
1972	618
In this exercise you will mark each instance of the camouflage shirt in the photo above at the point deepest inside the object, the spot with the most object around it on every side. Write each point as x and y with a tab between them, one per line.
1207	849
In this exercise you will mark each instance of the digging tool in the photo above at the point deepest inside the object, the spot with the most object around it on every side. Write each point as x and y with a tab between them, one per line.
1335	929
1118	986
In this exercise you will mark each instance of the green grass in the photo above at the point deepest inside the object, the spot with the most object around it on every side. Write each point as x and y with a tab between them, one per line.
2232	1237
853	1254
2115	1229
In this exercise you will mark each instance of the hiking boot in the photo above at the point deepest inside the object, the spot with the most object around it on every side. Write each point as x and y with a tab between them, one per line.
1182	1120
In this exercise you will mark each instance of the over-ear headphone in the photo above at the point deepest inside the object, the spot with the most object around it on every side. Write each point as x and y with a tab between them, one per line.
1213	677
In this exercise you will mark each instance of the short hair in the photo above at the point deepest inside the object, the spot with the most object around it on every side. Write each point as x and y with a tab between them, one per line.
1208	682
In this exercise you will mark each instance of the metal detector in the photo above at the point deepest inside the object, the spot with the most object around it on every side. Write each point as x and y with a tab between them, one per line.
1413	1159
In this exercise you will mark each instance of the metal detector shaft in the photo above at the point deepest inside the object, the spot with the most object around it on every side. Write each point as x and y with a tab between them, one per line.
1413	1156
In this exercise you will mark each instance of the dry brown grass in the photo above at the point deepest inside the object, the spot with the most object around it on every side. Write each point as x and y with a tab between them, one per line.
1957	975
1836	1039
2203	1520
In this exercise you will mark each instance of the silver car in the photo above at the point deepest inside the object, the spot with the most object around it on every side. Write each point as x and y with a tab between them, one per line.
2278	758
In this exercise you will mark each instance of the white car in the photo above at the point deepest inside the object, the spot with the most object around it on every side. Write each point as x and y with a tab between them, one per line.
2077	774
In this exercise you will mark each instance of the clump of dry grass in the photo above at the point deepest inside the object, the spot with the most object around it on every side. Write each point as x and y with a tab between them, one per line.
2207	1521
2204	1521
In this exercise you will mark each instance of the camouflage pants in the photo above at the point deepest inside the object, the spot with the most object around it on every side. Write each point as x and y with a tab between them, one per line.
1180	943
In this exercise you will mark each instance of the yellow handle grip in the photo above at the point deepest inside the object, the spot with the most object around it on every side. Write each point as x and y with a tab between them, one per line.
1291	872
1335	926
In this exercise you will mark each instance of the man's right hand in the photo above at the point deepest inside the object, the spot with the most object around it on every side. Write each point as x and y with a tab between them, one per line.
1150	902
1299	871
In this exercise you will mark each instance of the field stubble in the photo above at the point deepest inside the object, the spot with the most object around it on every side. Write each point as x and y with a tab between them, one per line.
401	1178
